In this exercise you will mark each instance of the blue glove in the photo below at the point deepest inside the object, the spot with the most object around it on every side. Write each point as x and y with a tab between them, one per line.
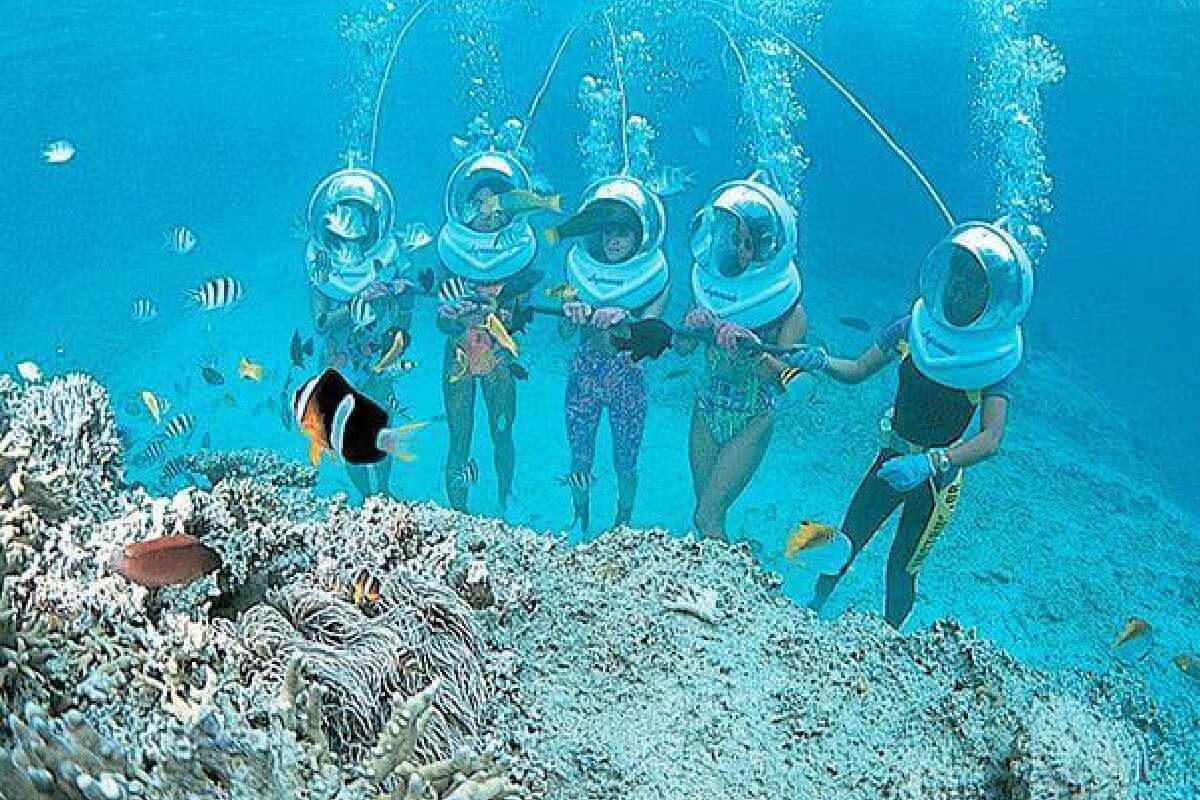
808	359
905	473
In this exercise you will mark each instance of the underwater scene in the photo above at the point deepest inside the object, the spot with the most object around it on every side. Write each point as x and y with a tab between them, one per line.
481	399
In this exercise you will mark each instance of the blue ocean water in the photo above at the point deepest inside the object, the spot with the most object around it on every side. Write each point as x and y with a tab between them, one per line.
224	119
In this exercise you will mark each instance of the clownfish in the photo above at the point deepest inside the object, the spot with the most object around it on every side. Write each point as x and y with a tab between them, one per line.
338	419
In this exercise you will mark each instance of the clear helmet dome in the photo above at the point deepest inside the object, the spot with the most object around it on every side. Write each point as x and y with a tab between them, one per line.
630	220
978	278
351	210
747	226
475	181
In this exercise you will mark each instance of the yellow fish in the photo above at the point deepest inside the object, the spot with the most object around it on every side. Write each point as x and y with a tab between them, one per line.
564	292
399	345
496	328
807	536
153	405
1135	628
366	588
521	201
1189	664
250	371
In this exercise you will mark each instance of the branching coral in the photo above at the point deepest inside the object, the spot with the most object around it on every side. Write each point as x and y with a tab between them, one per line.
462	776
26	644
262	465
65	758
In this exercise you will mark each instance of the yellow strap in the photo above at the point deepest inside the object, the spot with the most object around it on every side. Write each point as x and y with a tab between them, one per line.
945	502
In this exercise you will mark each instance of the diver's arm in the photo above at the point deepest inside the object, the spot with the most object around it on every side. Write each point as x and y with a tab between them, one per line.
854	371
984	444
793	330
686	345
656	307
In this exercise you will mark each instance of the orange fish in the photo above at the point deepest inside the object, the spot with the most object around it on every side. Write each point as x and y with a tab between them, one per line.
1135	628
1189	664
312	426
167	561
250	371
807	536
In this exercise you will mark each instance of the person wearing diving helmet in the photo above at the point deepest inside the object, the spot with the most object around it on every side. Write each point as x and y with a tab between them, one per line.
616	273
359	294
487	249
747	291
957	349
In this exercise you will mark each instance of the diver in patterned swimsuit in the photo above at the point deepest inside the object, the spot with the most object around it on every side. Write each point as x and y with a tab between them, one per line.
747	290
957	350
490	254
619	274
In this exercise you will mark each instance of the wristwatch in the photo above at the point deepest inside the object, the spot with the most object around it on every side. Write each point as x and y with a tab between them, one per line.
940	459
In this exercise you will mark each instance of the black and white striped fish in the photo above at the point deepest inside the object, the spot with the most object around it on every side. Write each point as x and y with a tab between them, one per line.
153	451
179	240
176	467
454	288
362	314
144	309
217	293
179	426
467	474
581	481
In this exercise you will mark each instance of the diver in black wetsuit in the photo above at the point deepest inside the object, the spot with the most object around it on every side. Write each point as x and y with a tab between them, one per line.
957	348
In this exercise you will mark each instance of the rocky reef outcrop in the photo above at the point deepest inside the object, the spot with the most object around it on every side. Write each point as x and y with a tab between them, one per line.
402	650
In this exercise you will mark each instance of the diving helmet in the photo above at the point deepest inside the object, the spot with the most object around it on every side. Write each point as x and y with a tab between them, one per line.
636	279
743	246
478	244
492	171
349	219
351	208
976	288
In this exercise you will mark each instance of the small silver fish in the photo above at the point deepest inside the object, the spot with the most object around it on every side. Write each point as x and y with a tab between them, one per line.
453	288
670	181
467	474
179	240
58	152
217	293
414	236
578	480
144	309
180	425
153	451
344	223
175	468
362	314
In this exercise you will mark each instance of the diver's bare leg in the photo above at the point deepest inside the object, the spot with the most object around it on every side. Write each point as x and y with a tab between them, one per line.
736	463
500	397
702	452
459	400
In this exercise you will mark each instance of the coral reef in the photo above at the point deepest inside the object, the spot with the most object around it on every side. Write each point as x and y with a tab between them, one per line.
410	652
263	466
